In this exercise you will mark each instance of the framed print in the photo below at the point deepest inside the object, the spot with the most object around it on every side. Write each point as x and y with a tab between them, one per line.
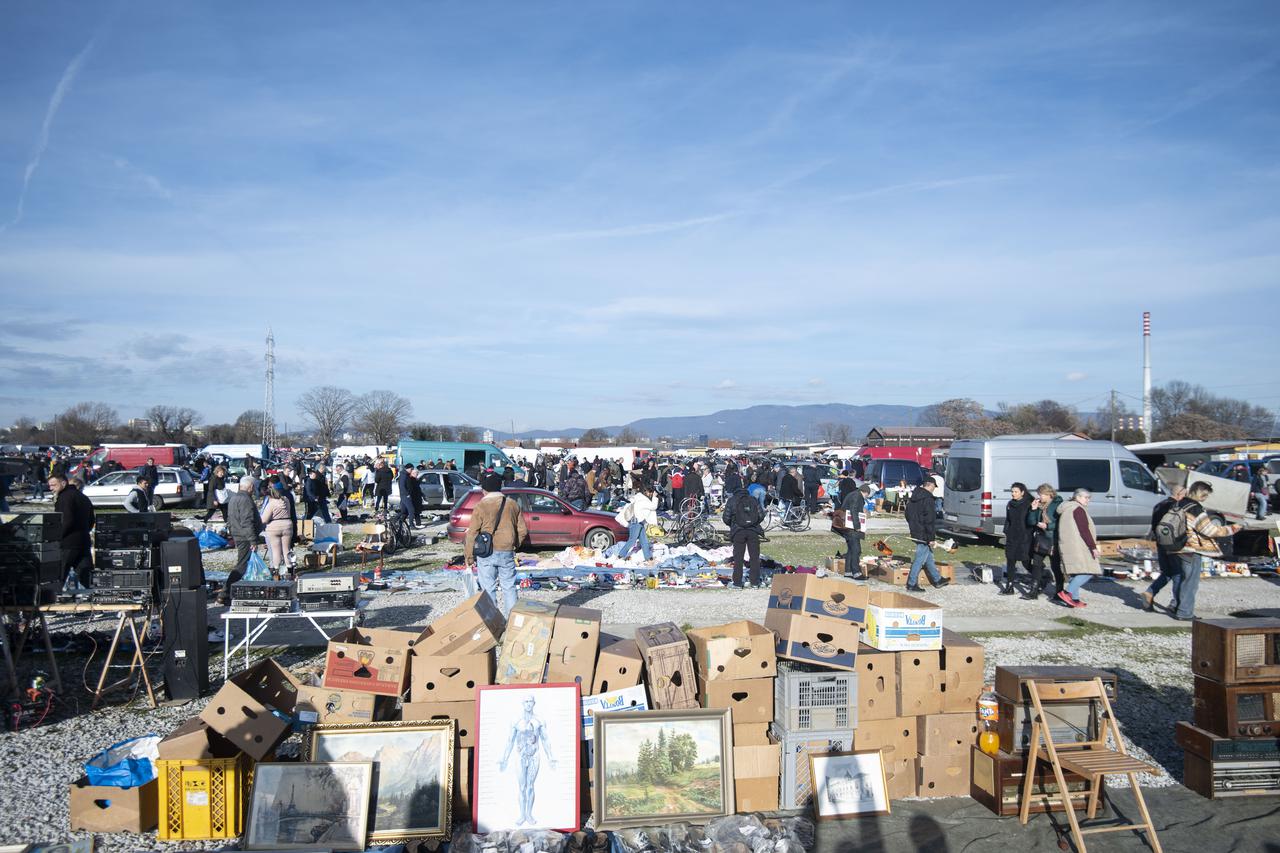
527	767
663	767
848	784
309	806
412	773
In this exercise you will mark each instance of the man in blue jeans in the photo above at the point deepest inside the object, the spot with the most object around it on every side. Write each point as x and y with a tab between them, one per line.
1203	534
499	516
922	518
1169	564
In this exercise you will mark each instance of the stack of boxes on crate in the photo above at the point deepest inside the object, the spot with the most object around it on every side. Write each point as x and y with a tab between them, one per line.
30	558
1233	749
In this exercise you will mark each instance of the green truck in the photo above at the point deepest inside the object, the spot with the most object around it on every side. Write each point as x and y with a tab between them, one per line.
470	457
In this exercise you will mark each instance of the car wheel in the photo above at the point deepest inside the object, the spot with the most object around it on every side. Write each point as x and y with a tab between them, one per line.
598	538
157	503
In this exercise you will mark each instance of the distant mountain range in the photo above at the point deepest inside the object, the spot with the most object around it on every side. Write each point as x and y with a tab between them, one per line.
756	423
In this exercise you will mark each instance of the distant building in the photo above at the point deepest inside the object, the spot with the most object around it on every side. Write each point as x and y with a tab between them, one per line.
487	436
140	424
905	436
702	439
720	443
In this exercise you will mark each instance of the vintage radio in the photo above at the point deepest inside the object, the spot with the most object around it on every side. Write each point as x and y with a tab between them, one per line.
130	529
262	591
1011	680
122	586
1208	745
1222	779
325	583
1237	710
32	527
1236	651
312	601
997	781
131	558
1068	722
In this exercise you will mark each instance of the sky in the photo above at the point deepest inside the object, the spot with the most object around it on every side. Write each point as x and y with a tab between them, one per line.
578	214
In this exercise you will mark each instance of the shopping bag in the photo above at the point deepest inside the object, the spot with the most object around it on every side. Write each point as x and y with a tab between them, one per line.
126	764
257	569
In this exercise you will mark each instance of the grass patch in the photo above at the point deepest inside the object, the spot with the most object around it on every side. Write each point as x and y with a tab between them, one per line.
810	549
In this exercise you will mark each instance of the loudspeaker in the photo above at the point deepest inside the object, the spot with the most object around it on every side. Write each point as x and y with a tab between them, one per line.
186	643
180	565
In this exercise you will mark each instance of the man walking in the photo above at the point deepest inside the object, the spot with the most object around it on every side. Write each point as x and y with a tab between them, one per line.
1169	565
138	499
1258	485
244	524
153	477
504	522
922	523
573	486
1202	541
846	522
381	485
77	523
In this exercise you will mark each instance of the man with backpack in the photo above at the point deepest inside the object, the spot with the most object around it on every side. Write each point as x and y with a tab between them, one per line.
497	528
744	515
1191	535
1170	567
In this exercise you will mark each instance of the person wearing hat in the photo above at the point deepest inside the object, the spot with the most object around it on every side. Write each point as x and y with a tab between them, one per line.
502	519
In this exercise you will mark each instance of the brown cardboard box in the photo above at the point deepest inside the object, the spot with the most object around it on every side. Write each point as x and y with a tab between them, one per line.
668	666
462	770
473	626
750	734
835	564
901	776
575	640
618	666
522	659
962	672
896	738
241	709
944	776
195	740
103	808
750	698
326	705
757	762
756	795
463	713
829	598
449	678
736	650
877	684
947	734
919	684
355	662
400	638
817	640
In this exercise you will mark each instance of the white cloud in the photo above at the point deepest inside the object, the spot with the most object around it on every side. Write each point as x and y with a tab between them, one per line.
726	384
816	382
1076	376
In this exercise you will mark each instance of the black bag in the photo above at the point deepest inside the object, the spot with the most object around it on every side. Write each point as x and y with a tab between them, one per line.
483	546
747	512
1042	543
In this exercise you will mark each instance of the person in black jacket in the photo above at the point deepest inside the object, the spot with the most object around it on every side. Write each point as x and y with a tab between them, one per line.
693	487
922	517
732	481
382	478
790	492
1017	539
1170	565
152	473
404	483
851	530
77	523
812	482
743	515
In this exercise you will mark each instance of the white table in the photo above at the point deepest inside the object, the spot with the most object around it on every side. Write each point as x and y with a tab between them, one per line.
253	632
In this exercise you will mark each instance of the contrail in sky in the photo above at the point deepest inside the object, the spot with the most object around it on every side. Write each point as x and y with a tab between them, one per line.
59	92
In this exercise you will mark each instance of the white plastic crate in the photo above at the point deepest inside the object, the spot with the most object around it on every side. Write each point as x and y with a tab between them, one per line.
811	698
797	785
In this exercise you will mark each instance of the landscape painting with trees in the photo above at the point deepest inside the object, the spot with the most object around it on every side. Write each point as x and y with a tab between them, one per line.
668	767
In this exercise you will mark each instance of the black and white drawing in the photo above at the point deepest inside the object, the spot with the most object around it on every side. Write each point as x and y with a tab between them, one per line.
849	783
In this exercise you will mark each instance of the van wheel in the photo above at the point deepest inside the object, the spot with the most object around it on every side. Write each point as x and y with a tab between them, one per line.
598	538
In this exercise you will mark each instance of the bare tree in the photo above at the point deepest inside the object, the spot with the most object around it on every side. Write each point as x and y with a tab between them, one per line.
594	437
467	433
382	415
170	423
627	436
430	432
248	427
834	433
220	434
964	416
330	409
86	423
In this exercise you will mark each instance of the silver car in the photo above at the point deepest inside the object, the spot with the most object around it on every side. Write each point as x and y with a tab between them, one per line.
176	488
440	488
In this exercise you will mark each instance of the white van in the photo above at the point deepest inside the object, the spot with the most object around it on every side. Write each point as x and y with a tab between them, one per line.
980	472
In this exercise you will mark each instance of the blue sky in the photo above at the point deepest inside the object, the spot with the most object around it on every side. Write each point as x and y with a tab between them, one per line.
578	214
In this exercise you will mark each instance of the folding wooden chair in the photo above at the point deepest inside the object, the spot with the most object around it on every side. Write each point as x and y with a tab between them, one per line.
1092	759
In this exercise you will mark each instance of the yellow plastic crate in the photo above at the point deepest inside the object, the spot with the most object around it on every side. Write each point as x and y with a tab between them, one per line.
203	798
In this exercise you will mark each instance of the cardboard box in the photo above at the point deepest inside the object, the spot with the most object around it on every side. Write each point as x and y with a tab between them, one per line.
750	734
736	650
919	684
627	699
962	665
462	770
448	678
901	776
103	808
829	598
751	699
575	640
939	735
825	642
896	621
619	665
668	666
473	626
523	656
194	740
463	713
355	662
896	738
323	705
944	776
756	795
877	684
835	565
757	762
241	709
398	638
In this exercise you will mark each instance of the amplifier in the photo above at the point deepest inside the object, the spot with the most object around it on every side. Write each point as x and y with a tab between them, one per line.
32	550
1222	779
121	596
262	591
123	579
1011	680
327	583
180	564
261	606
31	527
131	558
121	539
20	570
997	782
155	522
1068	722
328	600
1215	748
1237	710
1236	651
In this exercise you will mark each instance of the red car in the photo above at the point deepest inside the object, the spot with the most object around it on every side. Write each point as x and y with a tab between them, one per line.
551	521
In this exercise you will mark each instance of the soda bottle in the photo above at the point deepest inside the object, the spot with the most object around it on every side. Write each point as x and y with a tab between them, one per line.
988	714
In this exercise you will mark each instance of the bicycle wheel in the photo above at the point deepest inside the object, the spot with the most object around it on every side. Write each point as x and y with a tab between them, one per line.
802	519
770	519
704	535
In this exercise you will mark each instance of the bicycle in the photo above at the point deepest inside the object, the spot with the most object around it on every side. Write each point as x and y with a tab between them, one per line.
795	519
396	532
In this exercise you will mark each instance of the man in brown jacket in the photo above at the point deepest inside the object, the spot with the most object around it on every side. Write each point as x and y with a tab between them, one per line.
502	519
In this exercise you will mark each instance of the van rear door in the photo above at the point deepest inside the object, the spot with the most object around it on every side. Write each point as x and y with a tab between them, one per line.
962	500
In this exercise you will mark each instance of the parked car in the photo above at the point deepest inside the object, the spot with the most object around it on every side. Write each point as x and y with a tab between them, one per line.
440	487
176	488
889	472
551	521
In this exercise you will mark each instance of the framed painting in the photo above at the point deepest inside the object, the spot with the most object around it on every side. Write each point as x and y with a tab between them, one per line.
309	806
527	766
848	784
663	767
412	774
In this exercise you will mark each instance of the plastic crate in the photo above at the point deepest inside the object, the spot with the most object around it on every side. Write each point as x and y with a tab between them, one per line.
810	698
203	798
797	786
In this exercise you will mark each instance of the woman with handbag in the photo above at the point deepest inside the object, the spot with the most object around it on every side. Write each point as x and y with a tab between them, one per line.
1042	518
847	524
217	495
640	514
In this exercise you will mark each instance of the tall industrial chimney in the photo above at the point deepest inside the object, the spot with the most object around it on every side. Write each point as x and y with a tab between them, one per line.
1146	374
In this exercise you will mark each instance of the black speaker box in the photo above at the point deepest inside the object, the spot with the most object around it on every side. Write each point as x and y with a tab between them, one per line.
180	565
186	643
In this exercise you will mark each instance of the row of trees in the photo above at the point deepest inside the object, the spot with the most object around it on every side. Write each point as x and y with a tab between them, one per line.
381	415
657	762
